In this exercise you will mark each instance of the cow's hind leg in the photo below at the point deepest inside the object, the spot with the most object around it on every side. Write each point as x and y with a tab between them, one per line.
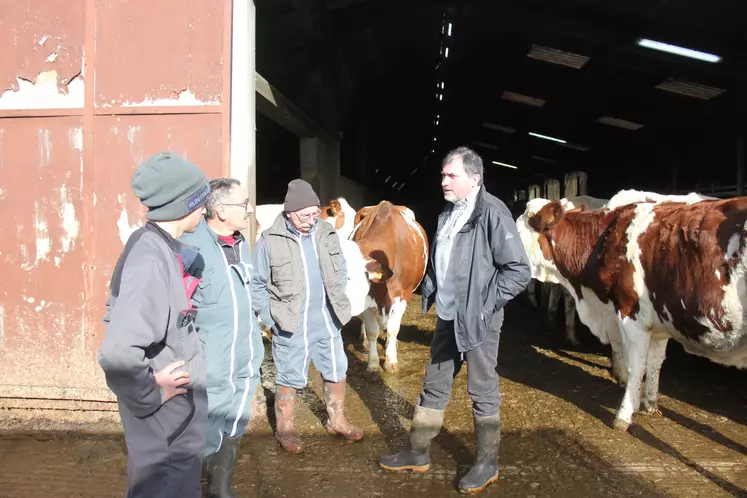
364	338
635	343
656	353
550	301
392	330
371	325
570	318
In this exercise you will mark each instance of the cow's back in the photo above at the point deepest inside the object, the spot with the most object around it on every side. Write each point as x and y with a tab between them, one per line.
391	235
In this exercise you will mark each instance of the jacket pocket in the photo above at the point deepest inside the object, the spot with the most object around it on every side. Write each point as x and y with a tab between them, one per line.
281	271
336	258
176	415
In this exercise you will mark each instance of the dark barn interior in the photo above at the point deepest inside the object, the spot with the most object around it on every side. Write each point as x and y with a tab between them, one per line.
401	83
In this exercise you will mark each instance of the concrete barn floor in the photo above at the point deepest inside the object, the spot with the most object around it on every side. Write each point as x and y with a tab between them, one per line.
558	404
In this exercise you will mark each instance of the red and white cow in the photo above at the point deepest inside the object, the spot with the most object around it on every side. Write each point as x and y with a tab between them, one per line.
389	235
552	292
339	214
642	272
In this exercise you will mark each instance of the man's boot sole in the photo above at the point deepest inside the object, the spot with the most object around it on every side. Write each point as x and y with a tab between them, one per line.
333	432
289	450
411	468
474	491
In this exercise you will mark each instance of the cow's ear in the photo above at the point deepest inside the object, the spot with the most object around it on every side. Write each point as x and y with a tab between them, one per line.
377	272
547	217
335	207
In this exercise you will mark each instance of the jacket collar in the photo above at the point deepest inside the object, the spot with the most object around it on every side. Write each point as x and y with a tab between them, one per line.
213	235
476	211
187	253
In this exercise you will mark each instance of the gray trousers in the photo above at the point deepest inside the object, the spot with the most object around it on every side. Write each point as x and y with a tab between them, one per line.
446	362
165	449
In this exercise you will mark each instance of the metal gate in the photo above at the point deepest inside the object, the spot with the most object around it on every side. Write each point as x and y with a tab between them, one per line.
88	89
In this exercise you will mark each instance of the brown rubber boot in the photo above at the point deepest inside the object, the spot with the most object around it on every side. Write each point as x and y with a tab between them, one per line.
285	402
334	397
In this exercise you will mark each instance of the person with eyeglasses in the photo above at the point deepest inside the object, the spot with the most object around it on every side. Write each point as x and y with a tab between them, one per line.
229	331
298	290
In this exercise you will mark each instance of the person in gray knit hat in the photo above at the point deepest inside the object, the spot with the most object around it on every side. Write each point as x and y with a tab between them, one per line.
298	290
151	355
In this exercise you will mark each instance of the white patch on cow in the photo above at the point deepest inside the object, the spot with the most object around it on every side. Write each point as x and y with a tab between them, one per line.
407	212
265	214
29	300
636	350
542	269
625	197
644	215
732	248
409	217
358	284
396	313
718	274
682	302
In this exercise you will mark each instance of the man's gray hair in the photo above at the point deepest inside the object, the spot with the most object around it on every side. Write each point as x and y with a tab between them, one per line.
471	160
220	192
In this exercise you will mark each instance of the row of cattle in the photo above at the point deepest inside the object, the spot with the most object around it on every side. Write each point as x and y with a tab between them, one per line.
645	268
386	252
638	269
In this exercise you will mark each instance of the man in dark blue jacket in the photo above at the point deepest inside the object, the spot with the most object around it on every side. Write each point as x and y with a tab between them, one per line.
477	265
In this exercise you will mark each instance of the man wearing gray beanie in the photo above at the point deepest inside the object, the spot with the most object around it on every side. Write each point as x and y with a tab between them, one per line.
151	355
298	290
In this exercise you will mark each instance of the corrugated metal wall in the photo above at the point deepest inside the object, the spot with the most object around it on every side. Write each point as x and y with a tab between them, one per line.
88	89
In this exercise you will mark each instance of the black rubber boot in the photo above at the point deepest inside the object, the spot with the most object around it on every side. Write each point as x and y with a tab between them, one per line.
220	467
485	469
426	425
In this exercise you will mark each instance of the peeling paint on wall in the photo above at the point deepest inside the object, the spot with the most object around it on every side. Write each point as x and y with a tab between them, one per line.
45	93
70	223
43	244
136	146
45	147
183	97
123	223
2	325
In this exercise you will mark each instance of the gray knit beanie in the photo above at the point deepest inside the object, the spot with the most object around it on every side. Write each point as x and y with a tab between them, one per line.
300	195
170	186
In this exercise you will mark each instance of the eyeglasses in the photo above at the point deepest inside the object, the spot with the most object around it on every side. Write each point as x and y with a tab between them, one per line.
241	204
310	216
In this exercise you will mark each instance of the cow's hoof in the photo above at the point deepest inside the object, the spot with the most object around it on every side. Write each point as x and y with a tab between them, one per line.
373	374
618	378
650	409
574	343
620	424
390	367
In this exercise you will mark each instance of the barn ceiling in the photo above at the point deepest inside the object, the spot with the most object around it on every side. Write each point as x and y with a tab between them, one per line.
566	69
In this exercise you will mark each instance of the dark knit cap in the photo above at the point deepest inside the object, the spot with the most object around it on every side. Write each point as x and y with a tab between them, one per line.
300	195
170	186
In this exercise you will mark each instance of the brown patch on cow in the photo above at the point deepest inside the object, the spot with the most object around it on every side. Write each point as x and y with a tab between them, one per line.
682	249
386	237
588	249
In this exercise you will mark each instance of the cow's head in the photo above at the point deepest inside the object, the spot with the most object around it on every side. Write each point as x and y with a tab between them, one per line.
540	217
376	272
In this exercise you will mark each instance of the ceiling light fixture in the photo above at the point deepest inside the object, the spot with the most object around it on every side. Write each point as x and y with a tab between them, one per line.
620	123
555	56
522	99
493	126
676	50
547	138
449	33
505	165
